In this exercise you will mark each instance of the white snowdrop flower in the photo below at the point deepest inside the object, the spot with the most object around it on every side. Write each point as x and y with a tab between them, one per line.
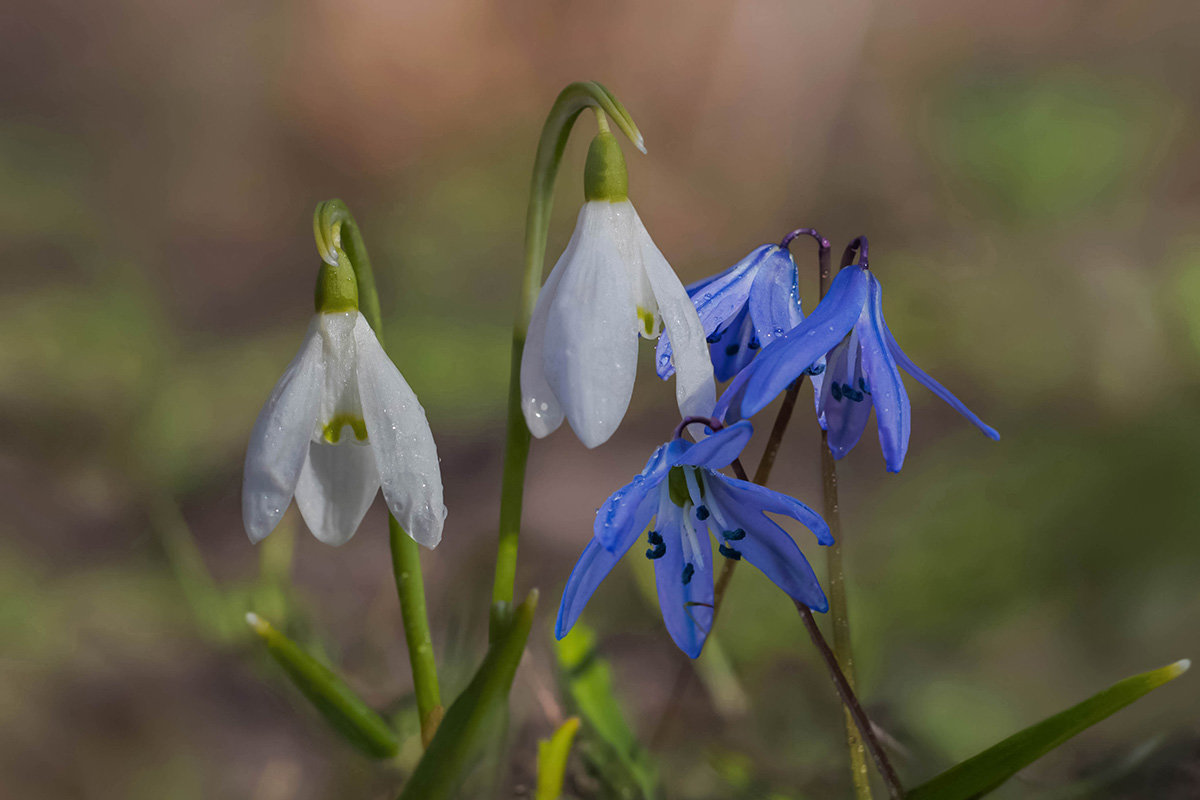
340	424
610	285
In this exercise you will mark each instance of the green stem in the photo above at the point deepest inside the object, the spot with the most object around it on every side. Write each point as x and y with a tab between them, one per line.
331	220
851	704
836	584
836	580
512	487
410	585
566	109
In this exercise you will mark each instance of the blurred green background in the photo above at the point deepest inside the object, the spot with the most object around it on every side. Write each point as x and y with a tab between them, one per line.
1029	176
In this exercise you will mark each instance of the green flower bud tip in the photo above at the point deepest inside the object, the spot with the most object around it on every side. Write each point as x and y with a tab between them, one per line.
337	286
604	176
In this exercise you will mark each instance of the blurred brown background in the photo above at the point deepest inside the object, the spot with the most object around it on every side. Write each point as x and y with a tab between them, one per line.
1029	175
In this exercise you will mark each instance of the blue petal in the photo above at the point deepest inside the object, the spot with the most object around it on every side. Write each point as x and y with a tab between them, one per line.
782	361
817	379
732	352
719	449
845	405
744	498
775	297
929	383
892	412
626	508
717	300
729	404
686	608
664	364
769	547
725	279
592	568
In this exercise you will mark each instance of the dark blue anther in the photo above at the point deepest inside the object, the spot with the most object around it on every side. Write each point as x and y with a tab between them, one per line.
688	571
658	548
836	390
731	349
814	369
701	513
754	343
862	384
713	337
730	553
734	535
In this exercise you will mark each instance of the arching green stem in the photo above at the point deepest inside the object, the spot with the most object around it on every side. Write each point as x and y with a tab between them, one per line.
571	101
329	221
338	237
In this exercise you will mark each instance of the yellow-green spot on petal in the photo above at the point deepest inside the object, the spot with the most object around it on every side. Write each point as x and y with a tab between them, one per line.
649	322
333	430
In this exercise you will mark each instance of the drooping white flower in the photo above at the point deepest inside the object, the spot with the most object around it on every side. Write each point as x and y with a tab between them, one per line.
340	424
609	286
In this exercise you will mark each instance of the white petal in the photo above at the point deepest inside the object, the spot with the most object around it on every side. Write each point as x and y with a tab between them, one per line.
399	436
624	221
543	414
340	393
695	389
279	442
336	488
590	345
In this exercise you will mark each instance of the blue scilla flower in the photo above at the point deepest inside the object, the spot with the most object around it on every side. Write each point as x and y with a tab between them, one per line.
680	497
744	308
863	369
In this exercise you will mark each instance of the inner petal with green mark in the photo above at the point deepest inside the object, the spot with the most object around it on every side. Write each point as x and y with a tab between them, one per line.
333	429
648	320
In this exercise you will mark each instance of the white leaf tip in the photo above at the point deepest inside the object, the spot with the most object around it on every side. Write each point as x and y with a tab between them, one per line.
1182	665
260	625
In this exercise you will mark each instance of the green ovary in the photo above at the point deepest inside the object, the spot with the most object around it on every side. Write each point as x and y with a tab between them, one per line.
333	429
677	486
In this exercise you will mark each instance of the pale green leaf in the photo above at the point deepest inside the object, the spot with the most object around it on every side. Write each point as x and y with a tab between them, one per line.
986	771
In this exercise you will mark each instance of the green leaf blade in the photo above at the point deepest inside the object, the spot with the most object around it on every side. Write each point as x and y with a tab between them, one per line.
339	705
552	760
447	759
986	771
610	746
